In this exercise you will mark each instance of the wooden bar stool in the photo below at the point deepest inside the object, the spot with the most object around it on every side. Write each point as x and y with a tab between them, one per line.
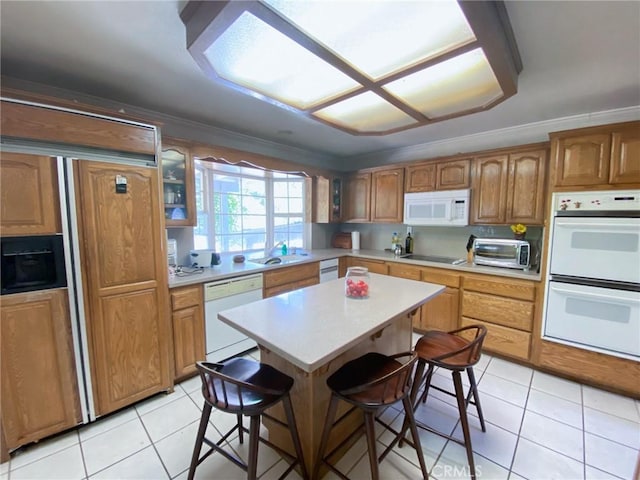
370	383
245	387
456	353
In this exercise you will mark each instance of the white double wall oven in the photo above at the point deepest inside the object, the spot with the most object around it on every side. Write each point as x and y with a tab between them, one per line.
592	298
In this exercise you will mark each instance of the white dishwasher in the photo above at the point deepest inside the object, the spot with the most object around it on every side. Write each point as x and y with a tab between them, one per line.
328	270
224	341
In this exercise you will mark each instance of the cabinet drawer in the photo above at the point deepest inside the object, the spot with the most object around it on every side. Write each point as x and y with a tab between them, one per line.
186	297
374	266
442	277
507	341
404	271
286	275
289	287
504	311
514	288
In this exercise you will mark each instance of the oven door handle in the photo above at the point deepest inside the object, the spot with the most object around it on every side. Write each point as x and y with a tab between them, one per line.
595	295
596	225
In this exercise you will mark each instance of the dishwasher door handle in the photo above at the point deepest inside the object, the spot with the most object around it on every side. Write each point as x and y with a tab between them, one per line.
329	269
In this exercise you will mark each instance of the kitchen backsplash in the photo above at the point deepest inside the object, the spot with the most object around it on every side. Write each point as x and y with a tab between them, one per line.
447	241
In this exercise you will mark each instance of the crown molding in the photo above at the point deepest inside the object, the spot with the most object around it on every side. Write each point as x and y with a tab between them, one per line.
505	137
179	127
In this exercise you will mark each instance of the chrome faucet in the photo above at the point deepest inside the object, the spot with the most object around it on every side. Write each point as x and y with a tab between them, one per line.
275	249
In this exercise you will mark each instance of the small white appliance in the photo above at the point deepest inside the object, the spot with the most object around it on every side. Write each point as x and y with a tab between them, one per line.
442	208
328	270
223	341
204	258
172	251
592	299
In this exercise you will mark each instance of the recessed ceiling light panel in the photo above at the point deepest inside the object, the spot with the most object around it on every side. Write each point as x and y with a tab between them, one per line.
459	84
381	37
366	112
255	55
368	68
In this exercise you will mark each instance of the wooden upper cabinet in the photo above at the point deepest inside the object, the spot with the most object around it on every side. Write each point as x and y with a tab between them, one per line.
420	178
582	160
602	156
387	196
525	187
449	175
39	384
625	155
489	194
28	195
358	198
509	187
320	211
453	175
326	197
178	185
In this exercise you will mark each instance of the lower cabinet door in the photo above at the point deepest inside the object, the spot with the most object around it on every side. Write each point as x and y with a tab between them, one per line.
188	337
39	386
441	313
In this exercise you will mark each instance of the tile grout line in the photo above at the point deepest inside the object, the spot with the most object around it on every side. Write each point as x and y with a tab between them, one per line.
524	413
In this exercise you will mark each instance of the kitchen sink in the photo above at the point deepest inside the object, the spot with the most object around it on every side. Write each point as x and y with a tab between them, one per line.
277	259
434	258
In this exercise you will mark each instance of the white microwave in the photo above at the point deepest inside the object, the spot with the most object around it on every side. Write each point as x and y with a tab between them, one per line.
443	208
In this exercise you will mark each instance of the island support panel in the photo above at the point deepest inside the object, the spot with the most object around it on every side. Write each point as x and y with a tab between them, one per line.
310	395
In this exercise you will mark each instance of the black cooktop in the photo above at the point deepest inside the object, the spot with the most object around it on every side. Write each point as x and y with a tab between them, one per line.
434	258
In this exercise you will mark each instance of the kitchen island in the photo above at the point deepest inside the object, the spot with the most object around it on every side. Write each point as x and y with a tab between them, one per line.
311	332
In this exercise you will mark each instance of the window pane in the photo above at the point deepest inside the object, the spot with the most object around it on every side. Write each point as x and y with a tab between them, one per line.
254	222
295	189
295	205
280	205
280	189
254	205
226	184
255	187
199	187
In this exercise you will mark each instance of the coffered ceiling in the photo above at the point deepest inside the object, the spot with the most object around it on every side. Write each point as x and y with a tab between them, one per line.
579	58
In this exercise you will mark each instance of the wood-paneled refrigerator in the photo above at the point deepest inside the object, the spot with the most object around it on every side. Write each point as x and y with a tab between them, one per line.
105	339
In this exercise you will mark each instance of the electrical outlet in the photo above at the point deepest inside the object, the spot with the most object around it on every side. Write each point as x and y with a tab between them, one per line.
409	230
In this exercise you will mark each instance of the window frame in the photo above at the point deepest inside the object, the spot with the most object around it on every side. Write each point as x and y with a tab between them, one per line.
270	177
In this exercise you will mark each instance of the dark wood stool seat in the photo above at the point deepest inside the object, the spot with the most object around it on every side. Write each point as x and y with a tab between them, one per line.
370	383
456	351
245	387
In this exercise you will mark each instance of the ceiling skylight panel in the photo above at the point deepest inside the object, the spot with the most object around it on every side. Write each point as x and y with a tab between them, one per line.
254	55
366	112
381	37
461	83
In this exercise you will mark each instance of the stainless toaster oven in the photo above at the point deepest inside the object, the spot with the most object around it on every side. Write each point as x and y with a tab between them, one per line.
502	252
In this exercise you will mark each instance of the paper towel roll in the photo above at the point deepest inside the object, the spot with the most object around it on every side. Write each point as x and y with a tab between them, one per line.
355	240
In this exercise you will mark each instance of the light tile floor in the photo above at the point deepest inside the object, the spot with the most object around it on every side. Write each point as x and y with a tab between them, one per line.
538	427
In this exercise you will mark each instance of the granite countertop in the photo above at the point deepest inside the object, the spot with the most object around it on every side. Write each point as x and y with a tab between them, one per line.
310	326
229	269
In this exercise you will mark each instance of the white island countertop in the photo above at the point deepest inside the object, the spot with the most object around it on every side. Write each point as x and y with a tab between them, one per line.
310	326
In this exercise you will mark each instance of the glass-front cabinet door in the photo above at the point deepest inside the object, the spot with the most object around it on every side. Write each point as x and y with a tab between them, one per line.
177	184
